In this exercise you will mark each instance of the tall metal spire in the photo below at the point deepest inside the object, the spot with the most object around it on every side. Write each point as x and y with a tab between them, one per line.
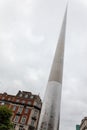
57	67
50	114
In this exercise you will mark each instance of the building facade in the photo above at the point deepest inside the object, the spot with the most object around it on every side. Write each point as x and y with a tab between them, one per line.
26	109
77	127
83	125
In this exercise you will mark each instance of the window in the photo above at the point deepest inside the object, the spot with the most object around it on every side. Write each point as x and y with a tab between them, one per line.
20	95
21	127
9	98
12	116
23	120
14	125
31	97
35	112
23	101
3	98
32	122
14	108
17	100
26	110
16	119
2	103
29	103
26	96
20	110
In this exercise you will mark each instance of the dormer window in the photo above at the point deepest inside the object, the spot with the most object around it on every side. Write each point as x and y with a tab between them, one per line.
20	95
3	98
9	98
31	97
26	96
17	100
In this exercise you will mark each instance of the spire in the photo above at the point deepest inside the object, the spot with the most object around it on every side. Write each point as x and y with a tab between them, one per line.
57	67
50	113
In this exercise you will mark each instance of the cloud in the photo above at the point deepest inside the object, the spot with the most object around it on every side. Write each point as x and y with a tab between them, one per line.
29	32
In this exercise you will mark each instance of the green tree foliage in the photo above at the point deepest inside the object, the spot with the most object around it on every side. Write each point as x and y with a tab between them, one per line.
5	115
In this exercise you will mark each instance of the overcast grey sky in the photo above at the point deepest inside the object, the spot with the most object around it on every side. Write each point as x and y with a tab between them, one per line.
29	31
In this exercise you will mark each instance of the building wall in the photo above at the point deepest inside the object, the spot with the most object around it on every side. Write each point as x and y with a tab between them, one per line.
26	109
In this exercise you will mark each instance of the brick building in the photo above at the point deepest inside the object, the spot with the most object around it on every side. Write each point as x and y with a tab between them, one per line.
26	109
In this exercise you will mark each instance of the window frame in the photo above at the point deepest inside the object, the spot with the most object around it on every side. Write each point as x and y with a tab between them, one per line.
23	121
16	120
14	108
20	109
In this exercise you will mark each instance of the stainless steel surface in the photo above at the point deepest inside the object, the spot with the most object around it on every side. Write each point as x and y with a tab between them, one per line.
49	119
50	113
57	66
